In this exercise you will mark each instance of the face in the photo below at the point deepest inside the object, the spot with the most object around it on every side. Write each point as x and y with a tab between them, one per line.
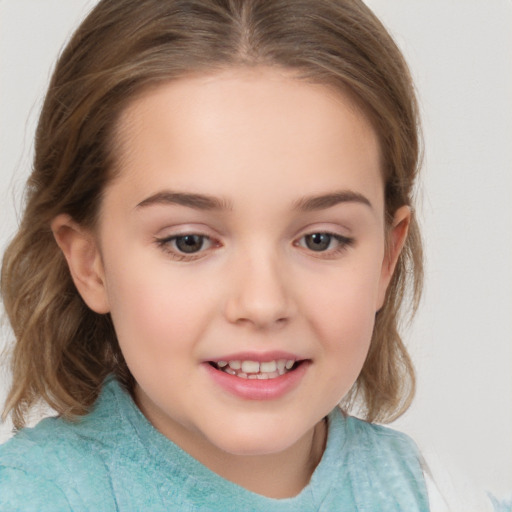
241	256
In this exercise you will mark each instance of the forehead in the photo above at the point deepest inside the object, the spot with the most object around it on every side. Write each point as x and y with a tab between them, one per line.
243	131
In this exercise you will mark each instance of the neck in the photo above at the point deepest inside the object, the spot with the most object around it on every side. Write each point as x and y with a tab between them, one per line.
281	475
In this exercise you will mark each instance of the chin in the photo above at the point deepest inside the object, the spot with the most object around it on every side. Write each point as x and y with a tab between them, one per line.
258	441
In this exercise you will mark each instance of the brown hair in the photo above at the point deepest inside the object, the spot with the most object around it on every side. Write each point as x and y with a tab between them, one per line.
64	350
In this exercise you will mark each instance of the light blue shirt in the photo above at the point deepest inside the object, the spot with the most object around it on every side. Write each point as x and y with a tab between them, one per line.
114	460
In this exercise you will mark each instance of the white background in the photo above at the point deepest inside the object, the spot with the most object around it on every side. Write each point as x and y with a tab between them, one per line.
460	52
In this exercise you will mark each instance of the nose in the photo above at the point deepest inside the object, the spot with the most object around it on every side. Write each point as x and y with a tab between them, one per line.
260	295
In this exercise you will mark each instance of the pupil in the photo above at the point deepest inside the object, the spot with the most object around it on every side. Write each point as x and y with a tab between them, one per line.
318	241
189	243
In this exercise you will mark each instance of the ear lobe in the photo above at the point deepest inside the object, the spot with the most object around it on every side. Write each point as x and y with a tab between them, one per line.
395	241
84	261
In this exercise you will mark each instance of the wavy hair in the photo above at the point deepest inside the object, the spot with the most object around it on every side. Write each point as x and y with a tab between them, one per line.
63	350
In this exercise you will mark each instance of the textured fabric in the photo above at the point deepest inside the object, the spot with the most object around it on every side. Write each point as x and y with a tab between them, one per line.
114	460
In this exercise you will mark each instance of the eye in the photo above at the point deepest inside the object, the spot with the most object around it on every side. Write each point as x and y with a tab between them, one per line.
189	244
186	246
324	242
318	241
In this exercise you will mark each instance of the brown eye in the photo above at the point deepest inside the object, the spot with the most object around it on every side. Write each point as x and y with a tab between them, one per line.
318	241
189	243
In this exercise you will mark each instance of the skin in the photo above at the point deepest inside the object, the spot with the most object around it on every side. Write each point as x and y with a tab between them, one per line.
259	141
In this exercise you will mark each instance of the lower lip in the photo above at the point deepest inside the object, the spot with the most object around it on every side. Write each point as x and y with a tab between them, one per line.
256	389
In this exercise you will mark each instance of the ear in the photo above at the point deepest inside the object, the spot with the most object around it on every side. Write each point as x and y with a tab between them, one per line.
81	251
395	241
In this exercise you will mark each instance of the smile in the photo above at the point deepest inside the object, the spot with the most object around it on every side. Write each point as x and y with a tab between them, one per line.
249	379
256	370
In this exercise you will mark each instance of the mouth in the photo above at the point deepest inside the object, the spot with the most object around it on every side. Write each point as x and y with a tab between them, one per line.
248	369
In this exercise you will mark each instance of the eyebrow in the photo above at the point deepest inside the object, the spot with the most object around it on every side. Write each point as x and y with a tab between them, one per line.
324	201
207	202
196	201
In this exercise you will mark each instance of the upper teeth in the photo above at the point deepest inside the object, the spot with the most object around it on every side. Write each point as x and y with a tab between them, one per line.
250	367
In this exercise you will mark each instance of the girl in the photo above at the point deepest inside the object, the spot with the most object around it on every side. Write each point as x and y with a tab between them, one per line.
215	250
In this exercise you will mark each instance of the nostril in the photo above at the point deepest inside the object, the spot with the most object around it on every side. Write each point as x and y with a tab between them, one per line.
260	298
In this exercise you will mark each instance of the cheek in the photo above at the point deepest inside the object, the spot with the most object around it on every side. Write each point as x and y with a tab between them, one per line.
342	314
345	327
154	312
347	298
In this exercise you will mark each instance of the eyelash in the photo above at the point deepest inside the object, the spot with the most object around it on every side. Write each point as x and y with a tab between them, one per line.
168	245
343	243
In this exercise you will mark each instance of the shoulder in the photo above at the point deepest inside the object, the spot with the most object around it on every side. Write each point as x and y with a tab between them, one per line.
385	452
44	467
381	467
29	491
395	457
59	444
59	464
53	445
383	439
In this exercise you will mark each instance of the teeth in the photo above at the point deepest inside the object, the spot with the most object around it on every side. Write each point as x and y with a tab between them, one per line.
250	366
255	369
271	366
